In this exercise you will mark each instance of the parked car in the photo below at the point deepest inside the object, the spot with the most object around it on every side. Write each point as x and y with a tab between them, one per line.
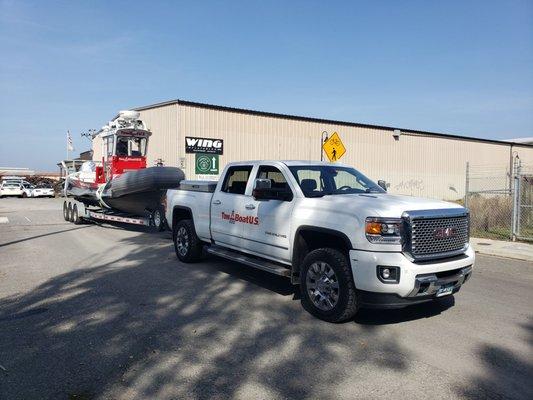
9	188
43	191
338	235
27	189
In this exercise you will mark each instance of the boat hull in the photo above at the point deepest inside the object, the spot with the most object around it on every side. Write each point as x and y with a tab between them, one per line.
140	192
85	192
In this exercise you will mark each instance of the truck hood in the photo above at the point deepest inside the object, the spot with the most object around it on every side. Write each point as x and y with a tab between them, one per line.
381	204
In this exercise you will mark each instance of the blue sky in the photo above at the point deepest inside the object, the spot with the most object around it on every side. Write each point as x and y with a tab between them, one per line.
463	67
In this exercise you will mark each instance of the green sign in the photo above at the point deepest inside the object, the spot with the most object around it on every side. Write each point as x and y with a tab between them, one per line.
206	164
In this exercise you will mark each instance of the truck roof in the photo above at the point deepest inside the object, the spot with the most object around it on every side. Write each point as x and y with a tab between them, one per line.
288	163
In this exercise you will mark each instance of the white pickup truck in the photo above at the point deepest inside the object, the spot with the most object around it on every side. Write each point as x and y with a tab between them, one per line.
328	228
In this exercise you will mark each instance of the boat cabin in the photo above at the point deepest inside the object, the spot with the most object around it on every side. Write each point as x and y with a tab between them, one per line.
123	150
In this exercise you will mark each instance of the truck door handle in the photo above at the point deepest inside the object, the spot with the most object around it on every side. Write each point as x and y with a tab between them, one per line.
217	202
249	207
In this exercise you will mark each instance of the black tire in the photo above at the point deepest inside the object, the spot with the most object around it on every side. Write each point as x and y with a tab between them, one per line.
65	211
160	222
24	195
69	211
187	245
346	304
75	216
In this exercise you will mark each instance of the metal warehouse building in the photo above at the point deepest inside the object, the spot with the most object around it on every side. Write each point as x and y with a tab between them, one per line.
412	162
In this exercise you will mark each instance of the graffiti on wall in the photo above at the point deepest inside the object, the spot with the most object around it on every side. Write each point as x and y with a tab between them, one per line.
410	185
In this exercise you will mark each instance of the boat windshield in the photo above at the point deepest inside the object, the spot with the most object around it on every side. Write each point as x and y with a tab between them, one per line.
322	180
128	146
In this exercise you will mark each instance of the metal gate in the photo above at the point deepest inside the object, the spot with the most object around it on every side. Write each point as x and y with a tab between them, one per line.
523	205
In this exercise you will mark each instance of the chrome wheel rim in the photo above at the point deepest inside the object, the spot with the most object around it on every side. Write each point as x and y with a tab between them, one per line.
182	241
322	286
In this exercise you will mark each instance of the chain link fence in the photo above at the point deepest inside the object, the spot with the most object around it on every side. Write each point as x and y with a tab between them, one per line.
500	201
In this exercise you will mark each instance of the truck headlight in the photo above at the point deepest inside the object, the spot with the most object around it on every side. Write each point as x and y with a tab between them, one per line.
383	230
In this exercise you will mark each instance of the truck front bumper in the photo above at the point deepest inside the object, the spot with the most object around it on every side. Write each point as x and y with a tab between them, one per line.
418	282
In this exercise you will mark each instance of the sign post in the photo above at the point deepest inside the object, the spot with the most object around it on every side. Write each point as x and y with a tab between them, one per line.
334	148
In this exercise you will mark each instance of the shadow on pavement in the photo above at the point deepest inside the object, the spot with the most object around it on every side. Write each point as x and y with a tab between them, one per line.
74	228
394	316
504	371
146	326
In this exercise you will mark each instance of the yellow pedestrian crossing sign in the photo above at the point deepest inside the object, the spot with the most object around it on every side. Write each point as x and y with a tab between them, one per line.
333	147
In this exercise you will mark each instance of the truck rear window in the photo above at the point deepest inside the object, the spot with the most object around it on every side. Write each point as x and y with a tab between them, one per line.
236	179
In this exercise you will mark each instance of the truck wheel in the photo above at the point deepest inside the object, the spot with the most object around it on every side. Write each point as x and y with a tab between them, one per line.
187	245
75	217
327	287
69	212
65	211
160	222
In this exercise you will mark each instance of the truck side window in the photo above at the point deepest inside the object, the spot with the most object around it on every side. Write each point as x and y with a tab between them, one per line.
310	180
275	175
236	179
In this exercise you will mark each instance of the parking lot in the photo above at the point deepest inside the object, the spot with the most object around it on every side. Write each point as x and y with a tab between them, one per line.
90	311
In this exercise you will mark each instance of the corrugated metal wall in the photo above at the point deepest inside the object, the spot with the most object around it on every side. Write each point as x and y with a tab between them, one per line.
416	164
164	143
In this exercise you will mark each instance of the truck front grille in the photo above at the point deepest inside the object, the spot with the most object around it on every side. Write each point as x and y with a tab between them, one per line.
436	233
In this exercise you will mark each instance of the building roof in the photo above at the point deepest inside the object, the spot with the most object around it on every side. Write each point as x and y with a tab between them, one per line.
329	121
525	140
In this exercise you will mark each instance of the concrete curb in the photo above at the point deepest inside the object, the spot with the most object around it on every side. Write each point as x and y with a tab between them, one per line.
515	250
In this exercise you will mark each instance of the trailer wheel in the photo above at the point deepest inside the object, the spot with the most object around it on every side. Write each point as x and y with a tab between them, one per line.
69	211
75	217
65	211
186	243
158	217
327	287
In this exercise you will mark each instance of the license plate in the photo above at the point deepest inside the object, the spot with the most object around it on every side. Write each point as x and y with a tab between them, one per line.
445	290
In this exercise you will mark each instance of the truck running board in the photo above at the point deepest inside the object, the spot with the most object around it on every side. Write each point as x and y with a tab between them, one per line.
251	261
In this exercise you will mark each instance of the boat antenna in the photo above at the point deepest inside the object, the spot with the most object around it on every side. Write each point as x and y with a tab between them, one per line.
89	134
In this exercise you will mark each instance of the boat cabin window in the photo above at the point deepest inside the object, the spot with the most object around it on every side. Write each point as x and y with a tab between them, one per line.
109	141
128	146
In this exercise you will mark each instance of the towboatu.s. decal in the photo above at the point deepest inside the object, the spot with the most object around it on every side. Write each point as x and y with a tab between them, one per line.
243	219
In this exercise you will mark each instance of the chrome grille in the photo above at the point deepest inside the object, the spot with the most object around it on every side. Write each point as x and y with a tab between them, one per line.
437	236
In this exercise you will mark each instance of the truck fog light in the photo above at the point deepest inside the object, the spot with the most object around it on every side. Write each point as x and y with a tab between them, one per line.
388	274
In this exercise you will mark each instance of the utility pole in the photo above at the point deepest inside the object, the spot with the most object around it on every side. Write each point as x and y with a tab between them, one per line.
467	183
322	141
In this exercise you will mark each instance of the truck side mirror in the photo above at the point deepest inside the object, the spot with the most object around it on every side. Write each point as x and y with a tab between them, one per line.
263	190
382	184
262	184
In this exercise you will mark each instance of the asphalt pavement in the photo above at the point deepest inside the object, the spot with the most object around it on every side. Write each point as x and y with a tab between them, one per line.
107	312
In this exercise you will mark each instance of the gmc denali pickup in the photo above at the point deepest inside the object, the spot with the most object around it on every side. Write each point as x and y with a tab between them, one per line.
330	229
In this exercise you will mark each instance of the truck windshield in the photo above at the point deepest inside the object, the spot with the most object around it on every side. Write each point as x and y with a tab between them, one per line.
321	180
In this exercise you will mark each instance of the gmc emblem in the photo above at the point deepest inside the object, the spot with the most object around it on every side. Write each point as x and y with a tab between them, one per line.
443	233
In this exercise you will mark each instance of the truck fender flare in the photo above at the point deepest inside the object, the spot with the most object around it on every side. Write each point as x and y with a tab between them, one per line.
298	247
181	208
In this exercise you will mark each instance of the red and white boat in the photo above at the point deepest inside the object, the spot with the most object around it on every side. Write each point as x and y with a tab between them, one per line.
121	180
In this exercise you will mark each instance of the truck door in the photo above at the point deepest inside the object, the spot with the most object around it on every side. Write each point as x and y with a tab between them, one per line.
269	234
227	207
